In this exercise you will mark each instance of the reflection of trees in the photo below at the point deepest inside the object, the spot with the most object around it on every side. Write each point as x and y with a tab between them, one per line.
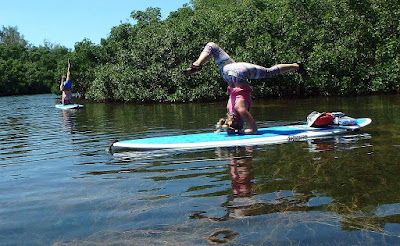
354	219
345	180
357	179
136	118
240	202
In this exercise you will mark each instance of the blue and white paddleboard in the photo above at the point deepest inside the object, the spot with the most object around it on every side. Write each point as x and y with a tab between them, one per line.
270	135
69	106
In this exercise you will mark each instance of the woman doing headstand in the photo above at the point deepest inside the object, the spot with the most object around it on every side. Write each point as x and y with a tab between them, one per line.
66	86
237	74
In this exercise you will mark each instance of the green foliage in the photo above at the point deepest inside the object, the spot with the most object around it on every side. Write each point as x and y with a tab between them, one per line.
151	15
348	46
11	36
27	70
85	58
11	69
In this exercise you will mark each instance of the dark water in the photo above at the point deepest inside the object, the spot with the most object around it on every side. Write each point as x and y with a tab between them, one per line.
58	185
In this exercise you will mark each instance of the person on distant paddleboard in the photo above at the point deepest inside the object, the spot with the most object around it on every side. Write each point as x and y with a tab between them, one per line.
237	74
66	86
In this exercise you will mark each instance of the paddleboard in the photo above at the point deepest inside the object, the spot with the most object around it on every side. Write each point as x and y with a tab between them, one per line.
270	135
69	106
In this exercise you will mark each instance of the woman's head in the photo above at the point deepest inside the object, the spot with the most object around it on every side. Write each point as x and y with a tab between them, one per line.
63	78
232	124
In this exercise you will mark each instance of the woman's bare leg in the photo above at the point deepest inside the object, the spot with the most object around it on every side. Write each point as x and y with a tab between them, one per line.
203	58
288	67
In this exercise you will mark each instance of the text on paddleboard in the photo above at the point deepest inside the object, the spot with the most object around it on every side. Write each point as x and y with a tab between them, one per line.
296	137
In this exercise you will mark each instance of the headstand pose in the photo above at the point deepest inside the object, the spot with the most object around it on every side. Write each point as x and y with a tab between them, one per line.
237	74
66	86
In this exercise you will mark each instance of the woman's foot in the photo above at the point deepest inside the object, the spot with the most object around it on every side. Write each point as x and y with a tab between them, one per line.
301	69
191	69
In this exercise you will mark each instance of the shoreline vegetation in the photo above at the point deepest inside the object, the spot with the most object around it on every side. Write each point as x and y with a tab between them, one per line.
350	47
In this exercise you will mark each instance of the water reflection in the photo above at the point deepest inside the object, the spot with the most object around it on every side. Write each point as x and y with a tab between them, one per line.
242	172
248	198
341	189
129	156
67	121
338	143
244	200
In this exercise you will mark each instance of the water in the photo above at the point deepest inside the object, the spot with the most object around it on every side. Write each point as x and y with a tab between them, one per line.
58	185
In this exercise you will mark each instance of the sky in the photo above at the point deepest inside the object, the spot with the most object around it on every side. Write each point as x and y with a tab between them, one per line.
64	22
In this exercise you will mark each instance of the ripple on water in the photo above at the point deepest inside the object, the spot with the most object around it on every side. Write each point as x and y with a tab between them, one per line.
58	184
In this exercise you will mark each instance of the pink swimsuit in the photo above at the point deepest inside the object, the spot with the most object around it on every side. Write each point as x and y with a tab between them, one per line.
236	93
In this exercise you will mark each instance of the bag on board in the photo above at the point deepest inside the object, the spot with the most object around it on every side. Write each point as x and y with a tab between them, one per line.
317	119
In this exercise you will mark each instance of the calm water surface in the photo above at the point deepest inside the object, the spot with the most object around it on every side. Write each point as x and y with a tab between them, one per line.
58	185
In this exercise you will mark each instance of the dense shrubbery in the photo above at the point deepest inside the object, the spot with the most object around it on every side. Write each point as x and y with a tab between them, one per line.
349	46
25	69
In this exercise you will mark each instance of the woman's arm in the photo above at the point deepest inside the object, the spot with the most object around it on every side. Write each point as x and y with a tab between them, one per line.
62	83
69	71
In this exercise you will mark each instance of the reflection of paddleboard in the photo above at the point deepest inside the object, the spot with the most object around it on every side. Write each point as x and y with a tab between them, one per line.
69	106
271	135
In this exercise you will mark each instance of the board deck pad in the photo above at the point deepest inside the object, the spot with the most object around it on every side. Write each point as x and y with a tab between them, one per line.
69	106
268	135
